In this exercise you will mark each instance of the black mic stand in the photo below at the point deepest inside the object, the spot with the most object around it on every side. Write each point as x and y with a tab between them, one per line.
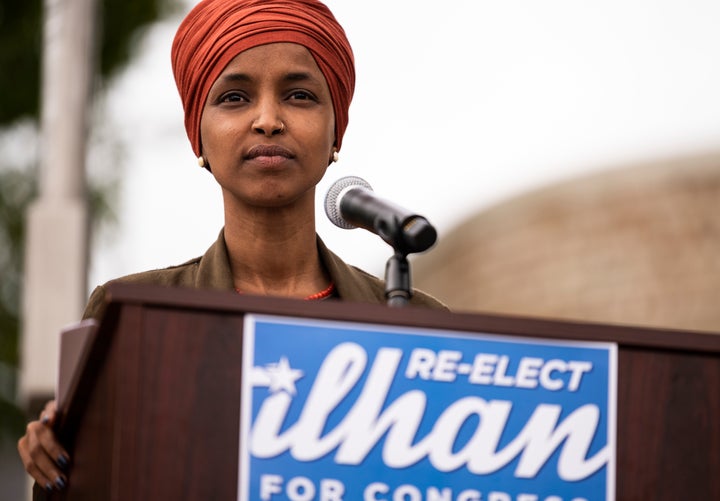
397	280
413	234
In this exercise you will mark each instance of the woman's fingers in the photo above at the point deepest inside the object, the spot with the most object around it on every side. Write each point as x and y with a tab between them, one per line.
43	457
47	416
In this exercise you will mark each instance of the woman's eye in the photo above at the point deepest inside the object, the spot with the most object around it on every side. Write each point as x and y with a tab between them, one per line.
232	97
301	95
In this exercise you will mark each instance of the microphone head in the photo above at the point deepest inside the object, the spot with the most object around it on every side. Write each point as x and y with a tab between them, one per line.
334	195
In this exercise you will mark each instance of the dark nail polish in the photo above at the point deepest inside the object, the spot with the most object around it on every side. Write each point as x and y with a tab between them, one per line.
60	483
63	461
48	487
45	420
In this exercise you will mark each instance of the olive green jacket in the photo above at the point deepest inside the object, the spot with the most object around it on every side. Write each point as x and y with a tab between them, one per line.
212	271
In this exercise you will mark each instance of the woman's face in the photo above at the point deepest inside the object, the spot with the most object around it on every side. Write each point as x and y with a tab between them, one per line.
268	126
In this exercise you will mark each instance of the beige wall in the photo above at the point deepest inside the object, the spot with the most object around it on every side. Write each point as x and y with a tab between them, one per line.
635	245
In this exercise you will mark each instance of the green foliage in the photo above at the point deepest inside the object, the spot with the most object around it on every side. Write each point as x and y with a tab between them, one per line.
21	47
121	21
20	43
17	190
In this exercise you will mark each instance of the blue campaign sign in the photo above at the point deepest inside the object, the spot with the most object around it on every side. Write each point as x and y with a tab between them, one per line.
335	411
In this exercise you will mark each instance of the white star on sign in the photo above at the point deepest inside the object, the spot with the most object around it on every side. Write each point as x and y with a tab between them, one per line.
282	376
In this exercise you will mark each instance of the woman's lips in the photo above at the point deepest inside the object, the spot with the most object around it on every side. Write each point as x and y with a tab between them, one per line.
269	155
268	151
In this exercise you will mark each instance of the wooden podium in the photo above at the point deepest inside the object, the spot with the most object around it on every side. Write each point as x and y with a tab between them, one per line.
152	409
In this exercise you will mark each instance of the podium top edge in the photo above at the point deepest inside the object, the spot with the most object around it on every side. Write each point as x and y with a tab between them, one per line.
118	294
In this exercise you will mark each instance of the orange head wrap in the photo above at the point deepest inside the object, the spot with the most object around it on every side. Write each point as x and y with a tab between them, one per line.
216	31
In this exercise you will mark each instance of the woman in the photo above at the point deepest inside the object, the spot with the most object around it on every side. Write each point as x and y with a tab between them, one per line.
266	86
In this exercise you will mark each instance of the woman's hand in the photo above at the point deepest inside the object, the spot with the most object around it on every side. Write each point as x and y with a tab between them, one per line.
44	458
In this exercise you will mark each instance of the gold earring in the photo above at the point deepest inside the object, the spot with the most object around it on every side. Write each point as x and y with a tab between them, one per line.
201	161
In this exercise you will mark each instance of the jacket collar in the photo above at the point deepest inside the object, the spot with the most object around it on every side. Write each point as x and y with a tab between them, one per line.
351	284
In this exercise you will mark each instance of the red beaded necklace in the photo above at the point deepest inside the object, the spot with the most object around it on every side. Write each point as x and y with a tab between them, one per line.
323	294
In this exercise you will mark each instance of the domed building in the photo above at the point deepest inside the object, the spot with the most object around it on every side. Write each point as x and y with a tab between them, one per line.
637	245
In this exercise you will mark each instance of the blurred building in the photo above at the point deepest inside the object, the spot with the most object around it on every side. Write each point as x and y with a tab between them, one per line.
634	245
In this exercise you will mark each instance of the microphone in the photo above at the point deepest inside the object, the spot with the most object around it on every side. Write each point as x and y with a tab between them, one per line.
351	203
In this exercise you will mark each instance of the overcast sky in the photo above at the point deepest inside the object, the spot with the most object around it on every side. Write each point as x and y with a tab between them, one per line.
459	105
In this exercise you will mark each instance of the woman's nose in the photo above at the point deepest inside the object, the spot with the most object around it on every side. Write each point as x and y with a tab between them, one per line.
268	122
